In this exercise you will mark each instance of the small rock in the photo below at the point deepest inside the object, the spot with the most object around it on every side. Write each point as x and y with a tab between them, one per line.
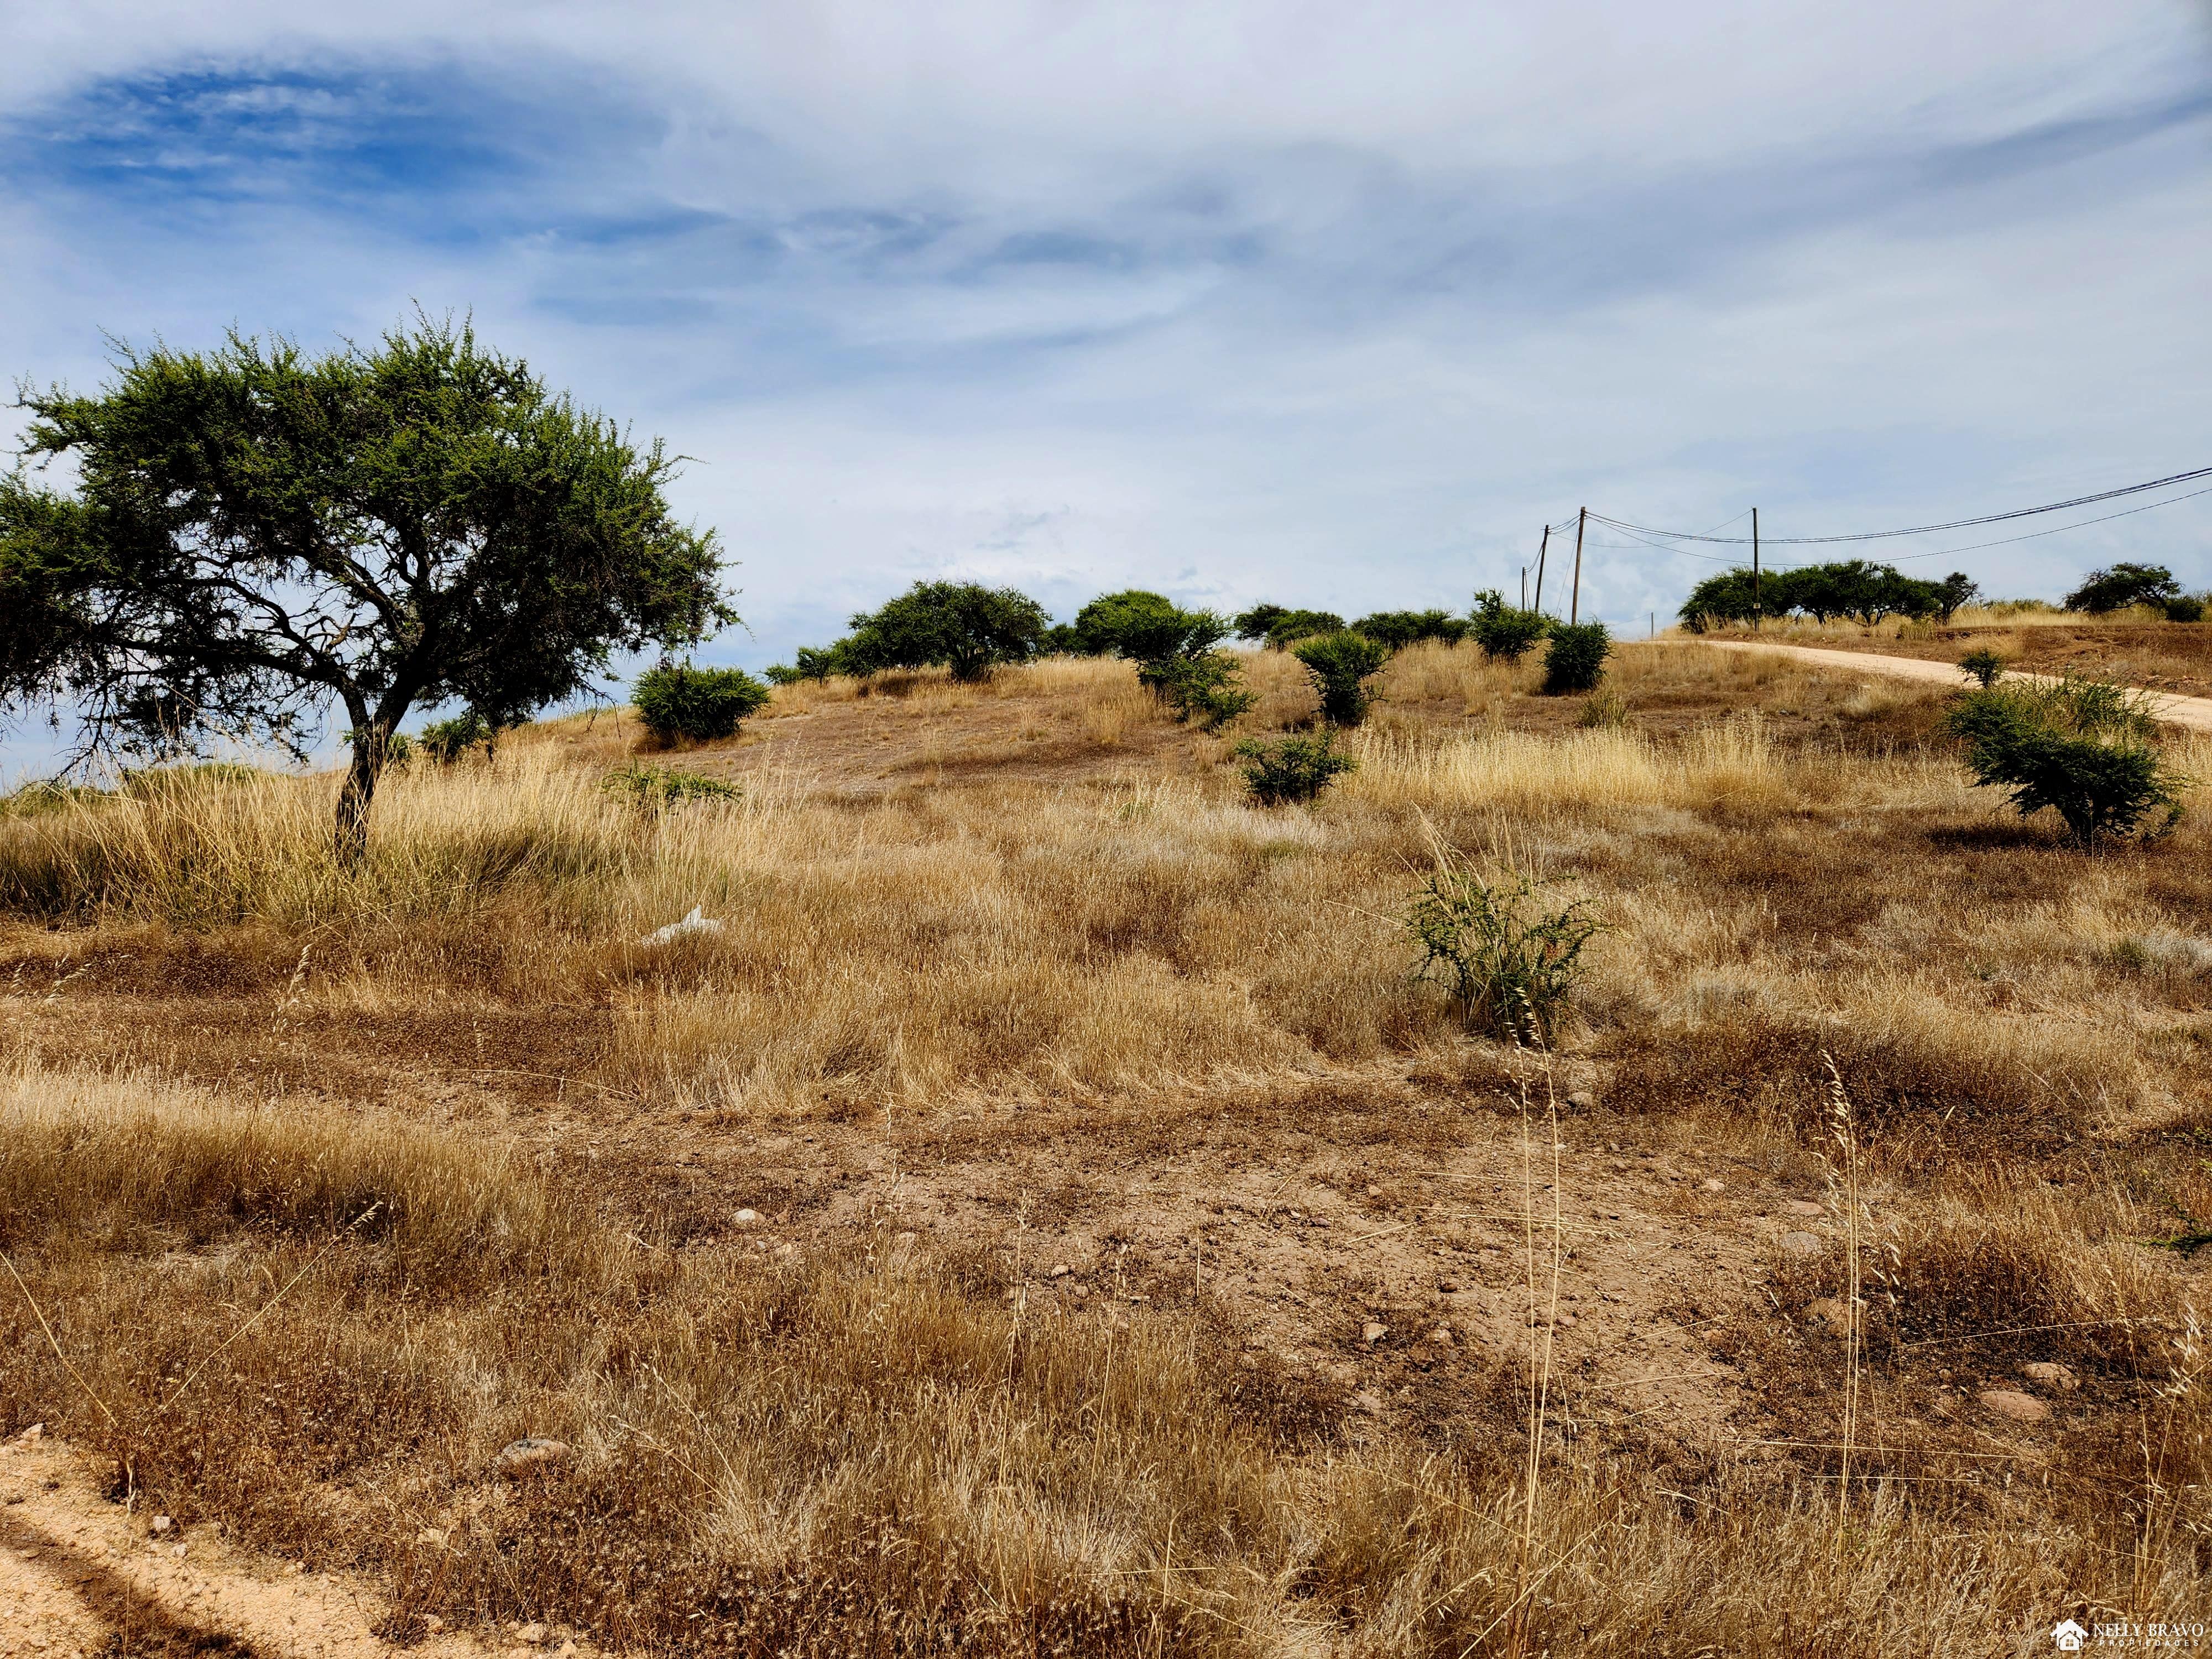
1806	1208
178	1549
1828	1309
31	1436
1713	1184
2011	1402
2049	1374
746	1219
1371	1332
162	1523
1442	1336
1449	1286
1060	1270
907	1237
1582	1100
532	1632
785	1252
430	1535
432	1623
566	1651
529	1453
1374	1192
1801	1244
1369	1403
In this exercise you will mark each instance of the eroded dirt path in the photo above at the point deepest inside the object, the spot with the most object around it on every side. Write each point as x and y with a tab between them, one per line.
2194	713
81	1576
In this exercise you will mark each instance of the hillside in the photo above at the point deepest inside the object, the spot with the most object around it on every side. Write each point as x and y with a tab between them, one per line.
1045	1215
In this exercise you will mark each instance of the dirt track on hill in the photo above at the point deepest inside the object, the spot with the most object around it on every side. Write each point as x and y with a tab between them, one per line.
2195	713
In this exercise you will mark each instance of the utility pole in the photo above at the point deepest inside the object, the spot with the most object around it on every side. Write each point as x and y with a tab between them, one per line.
1524	587
1758	607
1575	599
1541	548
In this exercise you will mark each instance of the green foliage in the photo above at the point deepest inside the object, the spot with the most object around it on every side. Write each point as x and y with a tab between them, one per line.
2184	608
1291	769
962	626
2080	747
446	741
1065	639
1507	963
1984	666
1293	626
812	663
1400	629
255	533
1506	633
1576	658
2122	585
1206	688
1850	587
1253	625
680	703
657	789
1140	625
1340	665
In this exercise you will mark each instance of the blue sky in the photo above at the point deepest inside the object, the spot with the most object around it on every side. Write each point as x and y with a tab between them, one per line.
1326	304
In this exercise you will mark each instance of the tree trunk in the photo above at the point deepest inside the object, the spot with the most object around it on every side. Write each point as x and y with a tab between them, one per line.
370	748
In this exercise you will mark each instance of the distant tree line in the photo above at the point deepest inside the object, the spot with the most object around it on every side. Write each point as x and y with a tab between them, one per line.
1852	589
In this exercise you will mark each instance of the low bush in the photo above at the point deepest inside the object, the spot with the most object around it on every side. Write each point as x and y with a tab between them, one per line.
1507	964
655	789
447	741
1400	629
1603	710
1291	769
1287	629
1505	633
1341	665
2184	608
1984	666
1576	658
1206	688
679	702
2082	747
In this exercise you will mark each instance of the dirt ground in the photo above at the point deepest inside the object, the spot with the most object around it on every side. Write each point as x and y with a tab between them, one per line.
2174	657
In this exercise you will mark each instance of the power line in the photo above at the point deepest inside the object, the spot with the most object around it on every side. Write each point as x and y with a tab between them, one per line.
1923	529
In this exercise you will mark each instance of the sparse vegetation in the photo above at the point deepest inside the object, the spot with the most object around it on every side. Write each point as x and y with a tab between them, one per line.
658	788
2123	585
1507	964
1984	666
1057	997
1505	633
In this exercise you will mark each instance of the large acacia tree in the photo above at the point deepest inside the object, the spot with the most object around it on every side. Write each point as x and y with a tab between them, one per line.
256	534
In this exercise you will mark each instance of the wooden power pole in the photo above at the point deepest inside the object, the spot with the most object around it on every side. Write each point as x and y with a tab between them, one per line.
1575	598
1758	605
1541	548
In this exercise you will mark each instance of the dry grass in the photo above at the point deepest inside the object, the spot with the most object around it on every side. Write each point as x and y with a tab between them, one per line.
874	1445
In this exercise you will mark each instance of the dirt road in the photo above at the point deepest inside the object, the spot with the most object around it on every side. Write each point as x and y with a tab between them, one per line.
2194	713
80	1575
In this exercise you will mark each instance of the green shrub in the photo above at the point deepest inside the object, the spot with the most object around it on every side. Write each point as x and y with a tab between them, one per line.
1984	666
1340	665
2080	747
1400	629
1576	658
1293	626
2184	608
1507	964
1206	688
678	701
1291	769
657	789
1505	632
1139	624
1253	625
447	741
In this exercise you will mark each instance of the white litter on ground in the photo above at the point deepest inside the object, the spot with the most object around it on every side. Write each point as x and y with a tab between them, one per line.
693	923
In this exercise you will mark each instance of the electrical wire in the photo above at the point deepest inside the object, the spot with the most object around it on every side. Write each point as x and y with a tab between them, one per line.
1917	530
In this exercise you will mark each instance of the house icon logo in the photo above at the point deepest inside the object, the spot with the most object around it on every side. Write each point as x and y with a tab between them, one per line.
2069	1637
